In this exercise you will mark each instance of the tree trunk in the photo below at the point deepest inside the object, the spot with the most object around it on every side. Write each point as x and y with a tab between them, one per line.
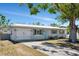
73	30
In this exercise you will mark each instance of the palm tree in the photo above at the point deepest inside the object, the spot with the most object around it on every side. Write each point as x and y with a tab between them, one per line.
68	12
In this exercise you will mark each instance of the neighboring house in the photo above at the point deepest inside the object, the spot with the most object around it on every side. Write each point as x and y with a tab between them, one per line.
19	32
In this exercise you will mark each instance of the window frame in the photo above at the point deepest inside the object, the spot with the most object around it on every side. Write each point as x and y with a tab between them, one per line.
37	32
52	31
61	31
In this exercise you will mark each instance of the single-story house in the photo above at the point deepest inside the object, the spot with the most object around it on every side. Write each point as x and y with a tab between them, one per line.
20	32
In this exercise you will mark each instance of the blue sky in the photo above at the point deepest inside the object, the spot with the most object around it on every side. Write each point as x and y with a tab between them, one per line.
21	14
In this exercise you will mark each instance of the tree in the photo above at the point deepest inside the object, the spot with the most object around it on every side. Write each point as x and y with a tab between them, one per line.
68	12
54	24
68	29
77	29
3	24
37	23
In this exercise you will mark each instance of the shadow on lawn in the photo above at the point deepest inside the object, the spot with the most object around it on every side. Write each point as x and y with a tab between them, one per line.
62	45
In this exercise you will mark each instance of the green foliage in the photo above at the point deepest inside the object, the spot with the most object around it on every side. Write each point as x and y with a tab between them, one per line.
67	11
43	6
34	10
54	24
3	23
68	29
51	10
29	5
78	30
37	23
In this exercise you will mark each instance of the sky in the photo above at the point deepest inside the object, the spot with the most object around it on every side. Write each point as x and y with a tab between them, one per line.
21	14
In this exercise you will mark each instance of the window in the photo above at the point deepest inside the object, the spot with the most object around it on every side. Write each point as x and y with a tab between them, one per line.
54	31
14	29
61	31
37	32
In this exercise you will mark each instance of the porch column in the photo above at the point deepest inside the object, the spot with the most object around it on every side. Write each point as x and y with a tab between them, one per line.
65	33
58	33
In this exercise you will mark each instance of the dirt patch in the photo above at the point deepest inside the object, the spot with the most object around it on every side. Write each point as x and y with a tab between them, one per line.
9	49
5	43
29	51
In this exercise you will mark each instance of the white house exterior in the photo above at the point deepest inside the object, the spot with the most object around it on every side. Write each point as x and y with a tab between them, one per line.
35	32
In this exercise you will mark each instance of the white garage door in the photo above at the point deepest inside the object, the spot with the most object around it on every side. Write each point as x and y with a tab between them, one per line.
23	34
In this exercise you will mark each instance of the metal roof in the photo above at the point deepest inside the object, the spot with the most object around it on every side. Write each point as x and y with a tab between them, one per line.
35	26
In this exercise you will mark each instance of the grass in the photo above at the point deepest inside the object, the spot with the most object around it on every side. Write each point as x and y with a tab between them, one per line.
63	43
57	41
9	49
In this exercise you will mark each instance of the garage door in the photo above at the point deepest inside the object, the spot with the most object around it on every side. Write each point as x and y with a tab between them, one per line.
23	34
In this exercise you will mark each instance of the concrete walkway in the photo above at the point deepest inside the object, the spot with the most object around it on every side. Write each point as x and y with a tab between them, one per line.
52	50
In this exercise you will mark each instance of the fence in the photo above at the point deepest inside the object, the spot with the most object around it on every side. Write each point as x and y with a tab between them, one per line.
4	36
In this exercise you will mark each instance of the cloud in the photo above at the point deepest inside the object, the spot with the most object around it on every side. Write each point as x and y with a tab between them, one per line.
24	15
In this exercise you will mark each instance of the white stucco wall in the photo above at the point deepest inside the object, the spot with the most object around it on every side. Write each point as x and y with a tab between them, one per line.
21	34
50	34
27	34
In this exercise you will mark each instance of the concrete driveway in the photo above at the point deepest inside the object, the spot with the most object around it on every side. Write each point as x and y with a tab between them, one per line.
52	50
